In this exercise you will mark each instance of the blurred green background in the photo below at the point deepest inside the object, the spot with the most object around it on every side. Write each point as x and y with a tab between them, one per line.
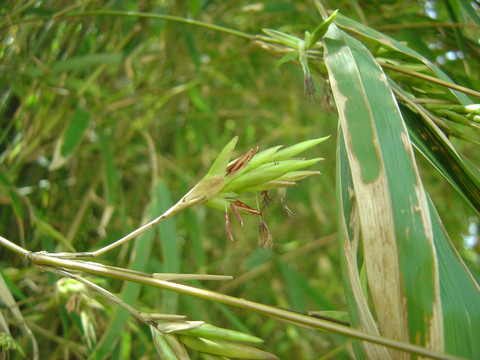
104	117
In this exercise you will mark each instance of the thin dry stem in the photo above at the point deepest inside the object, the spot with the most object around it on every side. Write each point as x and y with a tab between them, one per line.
181	205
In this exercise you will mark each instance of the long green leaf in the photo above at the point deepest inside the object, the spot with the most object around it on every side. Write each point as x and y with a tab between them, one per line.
170	246
80	63
110	171
393	213
470	10
7	187
437	149
74	132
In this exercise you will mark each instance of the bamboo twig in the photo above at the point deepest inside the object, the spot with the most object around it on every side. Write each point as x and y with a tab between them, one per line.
432	79
181	205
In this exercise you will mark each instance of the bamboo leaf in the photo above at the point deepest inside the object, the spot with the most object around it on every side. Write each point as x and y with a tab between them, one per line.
80	63
360	314
110	171
142	250
460	296
470	9
438	150
170	246
294	286
67	143
74	132
6	186
393	213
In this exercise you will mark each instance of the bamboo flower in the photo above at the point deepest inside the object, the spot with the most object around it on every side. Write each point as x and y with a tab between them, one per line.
300	48
250	173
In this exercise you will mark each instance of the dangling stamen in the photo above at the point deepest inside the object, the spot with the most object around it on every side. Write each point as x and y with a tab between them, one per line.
289	212
265	239
234	209
245	208
266	199
227	224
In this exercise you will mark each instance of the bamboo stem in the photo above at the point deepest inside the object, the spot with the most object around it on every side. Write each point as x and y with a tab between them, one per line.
432	79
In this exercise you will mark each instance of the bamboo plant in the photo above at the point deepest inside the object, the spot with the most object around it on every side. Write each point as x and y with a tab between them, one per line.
408	291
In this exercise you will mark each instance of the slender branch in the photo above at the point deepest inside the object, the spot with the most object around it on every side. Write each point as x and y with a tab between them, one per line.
424	25
181	205
432	79
13	247
163	17
61	15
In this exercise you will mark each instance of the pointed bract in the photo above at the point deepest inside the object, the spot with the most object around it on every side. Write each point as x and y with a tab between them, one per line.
296	149
320	31
219	166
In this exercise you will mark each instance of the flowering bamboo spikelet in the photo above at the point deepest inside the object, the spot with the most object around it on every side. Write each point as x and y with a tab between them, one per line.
227	181
206	339
301	47
260	173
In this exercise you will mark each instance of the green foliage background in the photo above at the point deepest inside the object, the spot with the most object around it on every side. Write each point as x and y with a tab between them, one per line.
108	120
